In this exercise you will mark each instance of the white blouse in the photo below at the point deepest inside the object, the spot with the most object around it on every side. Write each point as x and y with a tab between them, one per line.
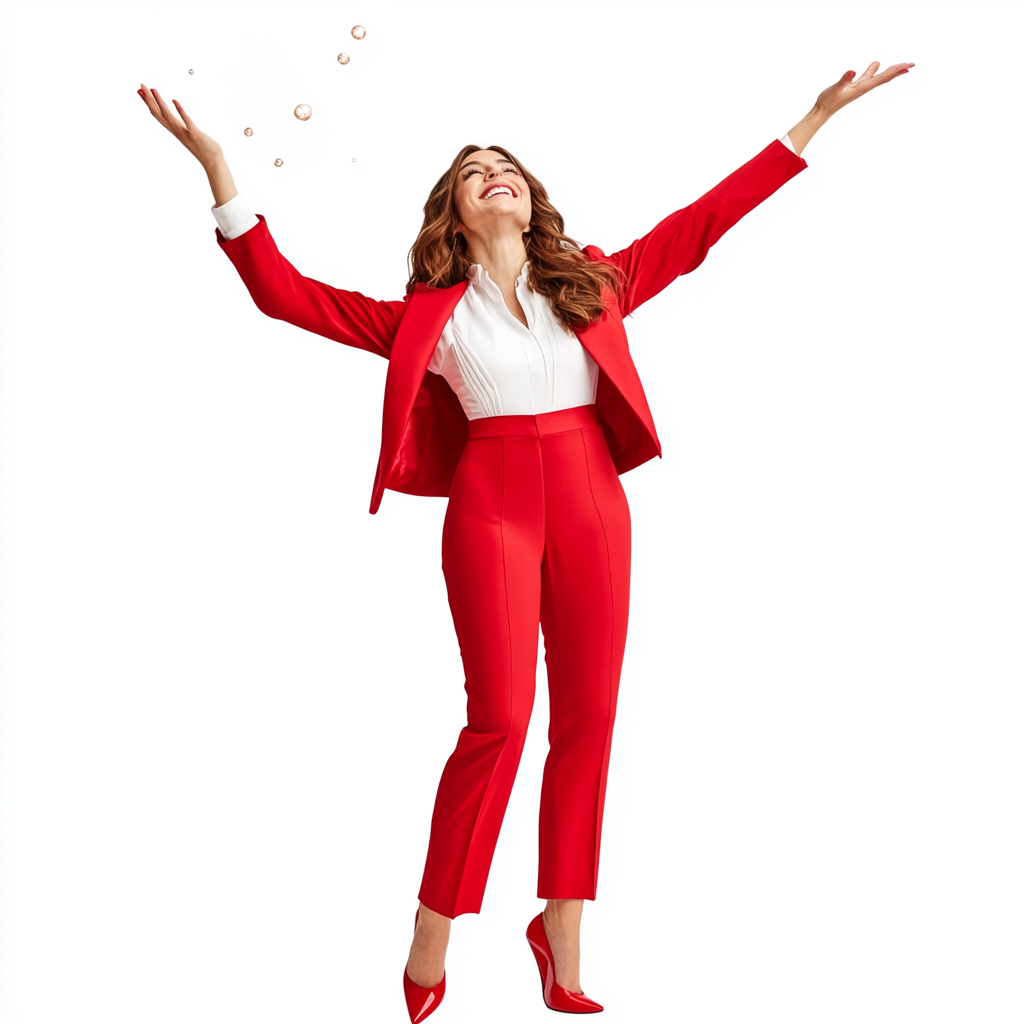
499	367
494	364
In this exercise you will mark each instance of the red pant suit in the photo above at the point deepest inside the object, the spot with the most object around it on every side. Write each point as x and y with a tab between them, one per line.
537	531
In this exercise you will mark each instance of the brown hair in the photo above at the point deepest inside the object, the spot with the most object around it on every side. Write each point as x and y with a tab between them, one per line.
558	267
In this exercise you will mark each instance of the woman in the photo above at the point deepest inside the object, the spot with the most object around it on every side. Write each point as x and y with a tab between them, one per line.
510	389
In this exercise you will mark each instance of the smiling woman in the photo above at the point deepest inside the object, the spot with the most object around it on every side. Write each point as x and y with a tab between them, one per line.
511	391
461	207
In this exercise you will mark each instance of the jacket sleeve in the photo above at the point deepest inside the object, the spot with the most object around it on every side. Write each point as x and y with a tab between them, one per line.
680	242
281	292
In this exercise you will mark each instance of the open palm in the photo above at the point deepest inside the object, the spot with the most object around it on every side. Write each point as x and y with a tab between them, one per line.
198	143
846	90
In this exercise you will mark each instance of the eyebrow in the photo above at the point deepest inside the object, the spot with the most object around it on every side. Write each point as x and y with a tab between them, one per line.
501	160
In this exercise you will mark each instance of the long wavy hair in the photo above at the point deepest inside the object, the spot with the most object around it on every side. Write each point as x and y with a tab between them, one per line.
558	267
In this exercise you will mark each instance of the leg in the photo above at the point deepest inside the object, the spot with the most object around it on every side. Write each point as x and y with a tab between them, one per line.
562	927
492	550
430	943
584	612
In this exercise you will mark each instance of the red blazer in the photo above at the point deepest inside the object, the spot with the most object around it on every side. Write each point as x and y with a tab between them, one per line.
424	429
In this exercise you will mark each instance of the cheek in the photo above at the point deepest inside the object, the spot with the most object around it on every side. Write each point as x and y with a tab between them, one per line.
461	205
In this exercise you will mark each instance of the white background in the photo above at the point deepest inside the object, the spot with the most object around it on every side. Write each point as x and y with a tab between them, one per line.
229	692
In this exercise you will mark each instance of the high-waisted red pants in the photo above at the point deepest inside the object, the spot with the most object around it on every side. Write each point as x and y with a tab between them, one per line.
537	532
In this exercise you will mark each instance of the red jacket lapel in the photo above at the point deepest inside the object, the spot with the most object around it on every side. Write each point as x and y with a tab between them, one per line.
414	344
605	340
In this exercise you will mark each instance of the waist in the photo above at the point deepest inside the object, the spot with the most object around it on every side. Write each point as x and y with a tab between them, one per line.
535	426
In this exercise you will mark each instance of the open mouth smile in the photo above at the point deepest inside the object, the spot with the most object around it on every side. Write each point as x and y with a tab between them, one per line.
497	190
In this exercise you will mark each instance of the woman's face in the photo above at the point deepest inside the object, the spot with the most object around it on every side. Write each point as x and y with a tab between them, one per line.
490	192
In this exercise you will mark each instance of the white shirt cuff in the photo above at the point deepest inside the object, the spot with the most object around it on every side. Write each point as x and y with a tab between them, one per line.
234	218
785	140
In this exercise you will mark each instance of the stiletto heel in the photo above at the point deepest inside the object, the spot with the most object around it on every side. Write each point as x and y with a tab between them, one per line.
421	1001
555	996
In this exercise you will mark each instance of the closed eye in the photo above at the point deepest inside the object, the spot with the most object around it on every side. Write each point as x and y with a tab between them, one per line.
476	170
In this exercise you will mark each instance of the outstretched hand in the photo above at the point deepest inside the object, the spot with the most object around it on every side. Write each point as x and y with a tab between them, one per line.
198	143
846	90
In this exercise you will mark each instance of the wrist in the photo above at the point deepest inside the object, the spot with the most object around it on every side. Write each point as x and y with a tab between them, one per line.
213	163
221	183
801	133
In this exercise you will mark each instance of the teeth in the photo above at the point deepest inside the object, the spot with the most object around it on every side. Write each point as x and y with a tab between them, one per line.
495	191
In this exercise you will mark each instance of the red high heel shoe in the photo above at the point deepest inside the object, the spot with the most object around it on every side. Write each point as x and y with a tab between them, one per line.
422	1001
555	997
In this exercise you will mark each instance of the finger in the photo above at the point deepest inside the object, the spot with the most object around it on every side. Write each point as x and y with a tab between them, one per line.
144	93
147	94
147	98
888	74
172	122
869	71
189	123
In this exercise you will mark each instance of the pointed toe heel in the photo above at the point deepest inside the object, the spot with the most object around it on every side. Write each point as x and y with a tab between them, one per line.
421	1001
555	996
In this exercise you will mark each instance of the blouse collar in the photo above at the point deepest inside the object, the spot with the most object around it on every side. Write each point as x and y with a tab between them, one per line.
477	275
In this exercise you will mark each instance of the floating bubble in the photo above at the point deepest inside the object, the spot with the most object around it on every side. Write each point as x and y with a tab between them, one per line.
343	58
303	112
358	31
278	162
353	159
191	72
248	131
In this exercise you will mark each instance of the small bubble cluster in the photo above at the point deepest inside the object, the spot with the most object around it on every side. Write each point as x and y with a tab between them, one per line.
304	111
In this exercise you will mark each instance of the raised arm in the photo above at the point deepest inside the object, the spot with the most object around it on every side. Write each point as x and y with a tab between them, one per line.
276	287
281	292
680	242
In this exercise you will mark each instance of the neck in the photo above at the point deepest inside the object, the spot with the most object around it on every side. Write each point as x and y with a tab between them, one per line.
502	256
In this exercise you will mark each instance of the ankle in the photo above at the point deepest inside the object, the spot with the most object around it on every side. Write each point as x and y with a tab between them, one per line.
563	913
433	925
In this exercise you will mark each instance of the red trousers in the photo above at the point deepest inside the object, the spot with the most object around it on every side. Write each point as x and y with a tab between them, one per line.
537	532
